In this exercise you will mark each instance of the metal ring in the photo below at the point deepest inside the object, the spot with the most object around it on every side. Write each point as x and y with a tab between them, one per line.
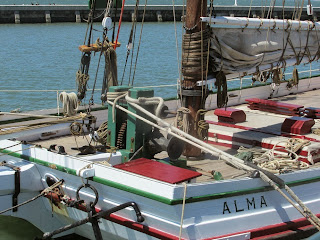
92	188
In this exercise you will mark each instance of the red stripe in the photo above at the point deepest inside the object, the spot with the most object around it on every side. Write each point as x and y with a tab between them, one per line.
137	226
133	225
257	143
257	233
274	230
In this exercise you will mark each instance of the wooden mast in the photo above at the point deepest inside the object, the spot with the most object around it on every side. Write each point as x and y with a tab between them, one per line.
190	99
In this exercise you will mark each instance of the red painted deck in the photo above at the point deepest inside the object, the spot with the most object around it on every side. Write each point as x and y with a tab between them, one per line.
159	171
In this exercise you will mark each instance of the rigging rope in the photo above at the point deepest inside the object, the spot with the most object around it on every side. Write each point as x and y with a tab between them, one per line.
44	192
131	40
120	21
183	208
110	77
82	75
142	23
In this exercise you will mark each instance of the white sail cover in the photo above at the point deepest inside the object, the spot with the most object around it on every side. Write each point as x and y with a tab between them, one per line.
237	50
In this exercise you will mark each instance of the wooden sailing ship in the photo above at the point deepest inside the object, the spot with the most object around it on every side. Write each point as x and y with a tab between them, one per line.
127	179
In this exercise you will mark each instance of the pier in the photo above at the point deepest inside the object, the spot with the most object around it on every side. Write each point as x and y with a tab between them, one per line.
154	13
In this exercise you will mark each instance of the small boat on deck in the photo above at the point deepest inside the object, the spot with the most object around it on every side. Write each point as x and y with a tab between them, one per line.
247	167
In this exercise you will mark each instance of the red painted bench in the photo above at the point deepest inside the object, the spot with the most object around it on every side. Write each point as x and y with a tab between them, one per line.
274	106
159	171
231	115
297	125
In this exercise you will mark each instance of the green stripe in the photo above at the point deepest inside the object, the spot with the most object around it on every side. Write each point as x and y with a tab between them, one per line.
40	162
157	197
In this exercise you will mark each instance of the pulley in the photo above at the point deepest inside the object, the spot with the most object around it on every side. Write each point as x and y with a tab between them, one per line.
107	23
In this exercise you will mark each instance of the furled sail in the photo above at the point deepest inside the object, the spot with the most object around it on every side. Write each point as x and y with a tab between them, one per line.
255	45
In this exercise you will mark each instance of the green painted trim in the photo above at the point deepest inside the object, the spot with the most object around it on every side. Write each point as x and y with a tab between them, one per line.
157	197
133	190
95	179
40	162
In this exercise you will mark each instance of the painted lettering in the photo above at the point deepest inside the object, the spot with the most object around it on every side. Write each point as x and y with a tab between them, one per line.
251	203
263	202
236	207
244	205
226	208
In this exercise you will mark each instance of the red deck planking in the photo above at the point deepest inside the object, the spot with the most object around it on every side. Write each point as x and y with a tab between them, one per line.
159	171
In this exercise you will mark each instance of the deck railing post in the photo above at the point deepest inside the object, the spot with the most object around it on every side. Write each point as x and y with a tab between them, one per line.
58	107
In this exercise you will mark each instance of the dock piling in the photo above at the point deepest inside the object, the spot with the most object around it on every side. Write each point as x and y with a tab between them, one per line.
48	17
159	17
154	13
78	17
17	17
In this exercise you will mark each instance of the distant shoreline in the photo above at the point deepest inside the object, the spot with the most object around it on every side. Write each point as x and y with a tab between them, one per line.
154	13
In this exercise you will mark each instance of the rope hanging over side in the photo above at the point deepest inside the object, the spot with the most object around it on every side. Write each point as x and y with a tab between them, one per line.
295	79
276	76
70	103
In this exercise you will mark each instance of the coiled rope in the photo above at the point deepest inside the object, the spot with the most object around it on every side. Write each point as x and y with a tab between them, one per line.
182	119
203	126
69	102
194	53
278	163
103	133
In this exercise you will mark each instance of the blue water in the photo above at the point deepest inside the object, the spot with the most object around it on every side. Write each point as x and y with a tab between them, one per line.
46	57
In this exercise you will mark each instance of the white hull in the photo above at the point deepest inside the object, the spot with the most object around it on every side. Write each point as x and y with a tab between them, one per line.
211	208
